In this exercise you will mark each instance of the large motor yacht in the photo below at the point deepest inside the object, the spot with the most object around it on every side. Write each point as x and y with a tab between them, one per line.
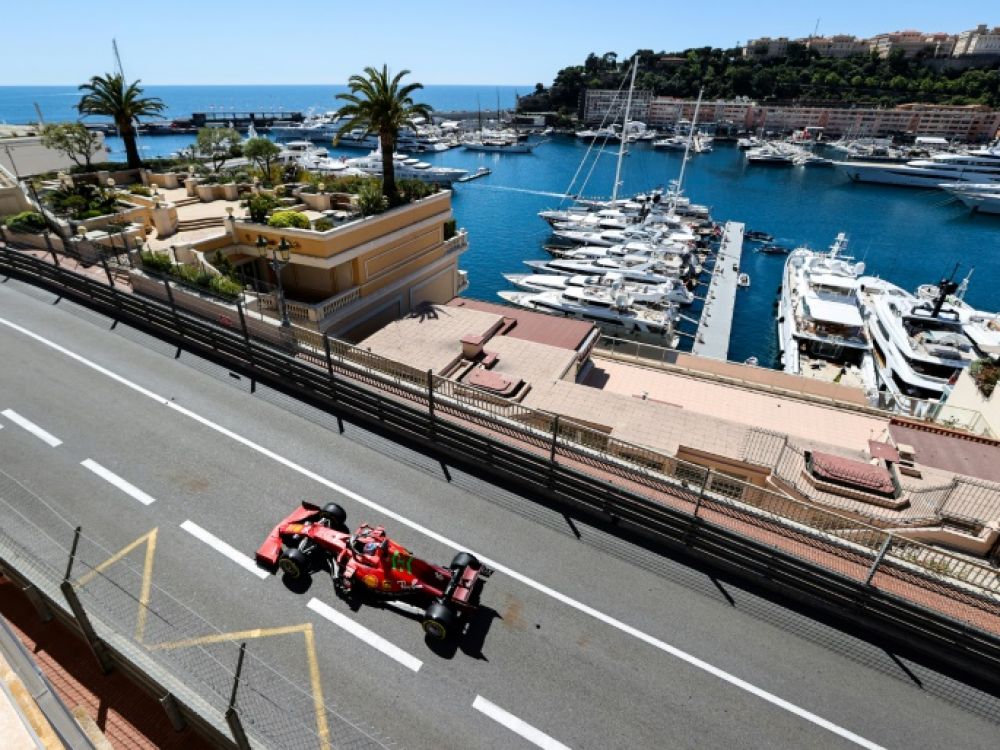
979	165
408	168
647	294
820	328
980	197
616	314
922	342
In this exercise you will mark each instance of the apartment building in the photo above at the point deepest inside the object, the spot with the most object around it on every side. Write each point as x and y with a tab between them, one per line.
766	47
978	41
838	45
971	123
607	105
911	42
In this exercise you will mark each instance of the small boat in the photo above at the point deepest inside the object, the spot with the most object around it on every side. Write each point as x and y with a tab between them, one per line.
755	236
481	172
774	250
743	280
751	361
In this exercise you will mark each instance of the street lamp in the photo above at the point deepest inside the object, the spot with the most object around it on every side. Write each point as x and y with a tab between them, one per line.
280	257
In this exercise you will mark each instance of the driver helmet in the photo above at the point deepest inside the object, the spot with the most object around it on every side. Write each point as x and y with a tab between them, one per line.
371	547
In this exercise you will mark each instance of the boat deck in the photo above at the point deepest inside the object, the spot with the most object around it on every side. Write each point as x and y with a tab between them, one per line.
712	338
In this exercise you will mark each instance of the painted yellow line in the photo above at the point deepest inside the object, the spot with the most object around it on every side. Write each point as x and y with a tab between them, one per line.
317	690
147	586
237	635
88	577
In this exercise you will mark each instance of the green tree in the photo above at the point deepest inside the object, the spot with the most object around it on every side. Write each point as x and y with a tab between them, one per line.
218	145
377	103
261	152
111	96
72	139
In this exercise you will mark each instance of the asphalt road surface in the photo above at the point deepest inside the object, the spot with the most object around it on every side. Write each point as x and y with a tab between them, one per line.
585	640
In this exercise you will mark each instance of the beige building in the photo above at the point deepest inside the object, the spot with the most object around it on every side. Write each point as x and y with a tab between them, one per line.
978	41
839	45
938	44
971	123
766	47
607	105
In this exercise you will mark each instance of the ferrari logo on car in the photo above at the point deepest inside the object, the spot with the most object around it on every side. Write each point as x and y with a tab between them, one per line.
370	581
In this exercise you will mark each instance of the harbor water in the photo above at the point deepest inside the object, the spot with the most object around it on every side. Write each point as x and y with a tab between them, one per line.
906	235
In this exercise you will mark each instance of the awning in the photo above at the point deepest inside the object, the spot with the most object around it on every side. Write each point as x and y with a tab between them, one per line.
842	313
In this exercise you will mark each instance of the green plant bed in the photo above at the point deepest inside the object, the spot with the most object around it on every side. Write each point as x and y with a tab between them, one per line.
985	373
26	222
160	265
288	220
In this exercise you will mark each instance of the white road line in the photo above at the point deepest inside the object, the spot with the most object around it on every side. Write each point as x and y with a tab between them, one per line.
370	637
499	567
220	546
125	486
34	429
534	736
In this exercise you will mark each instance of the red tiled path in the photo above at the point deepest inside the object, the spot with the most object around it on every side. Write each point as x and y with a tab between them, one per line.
126	714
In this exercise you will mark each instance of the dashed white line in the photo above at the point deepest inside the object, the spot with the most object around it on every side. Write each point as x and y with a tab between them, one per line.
222	547
370	637
497	566
124	485
34	429
518	726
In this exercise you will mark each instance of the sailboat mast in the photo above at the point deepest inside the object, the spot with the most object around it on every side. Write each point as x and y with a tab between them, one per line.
624	136
687	149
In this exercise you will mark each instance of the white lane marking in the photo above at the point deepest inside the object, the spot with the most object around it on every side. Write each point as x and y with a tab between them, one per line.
124	485
540	587
370	637
534	736
222	547
34	429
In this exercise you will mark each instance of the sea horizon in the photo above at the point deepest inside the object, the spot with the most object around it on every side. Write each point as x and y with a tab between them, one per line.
17	103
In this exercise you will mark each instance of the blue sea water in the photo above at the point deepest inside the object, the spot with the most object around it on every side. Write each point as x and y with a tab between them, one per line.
17	103
908	236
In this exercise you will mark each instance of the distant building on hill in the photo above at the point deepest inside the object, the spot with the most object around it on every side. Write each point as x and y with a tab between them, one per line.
978	41
938	44
766	47
838	45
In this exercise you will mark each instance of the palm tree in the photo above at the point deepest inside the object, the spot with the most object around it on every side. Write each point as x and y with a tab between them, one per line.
110	95
377	104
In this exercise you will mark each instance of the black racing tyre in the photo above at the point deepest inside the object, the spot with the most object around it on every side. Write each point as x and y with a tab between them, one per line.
464	559
336	515
440	622
294	563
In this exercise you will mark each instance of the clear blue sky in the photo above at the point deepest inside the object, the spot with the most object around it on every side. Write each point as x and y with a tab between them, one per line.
324	41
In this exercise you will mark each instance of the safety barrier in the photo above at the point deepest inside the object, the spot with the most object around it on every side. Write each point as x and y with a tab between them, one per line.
937	600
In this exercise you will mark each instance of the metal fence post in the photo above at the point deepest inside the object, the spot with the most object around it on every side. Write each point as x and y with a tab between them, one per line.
107	271
878	560
430	400
701	492
173	306
552	450
329	366
52	249
38	602
173	712
90	635
232	715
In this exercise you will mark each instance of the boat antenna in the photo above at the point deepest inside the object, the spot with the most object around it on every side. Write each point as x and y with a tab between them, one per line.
624	135
964	286
945	287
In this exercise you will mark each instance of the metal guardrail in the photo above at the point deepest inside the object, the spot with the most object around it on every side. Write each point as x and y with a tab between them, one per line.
851	568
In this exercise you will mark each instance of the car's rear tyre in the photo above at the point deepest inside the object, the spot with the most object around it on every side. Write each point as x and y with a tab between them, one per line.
440	622
464	559
335	514
294	563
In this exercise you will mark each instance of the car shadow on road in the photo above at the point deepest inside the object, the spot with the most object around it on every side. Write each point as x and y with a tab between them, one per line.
471	640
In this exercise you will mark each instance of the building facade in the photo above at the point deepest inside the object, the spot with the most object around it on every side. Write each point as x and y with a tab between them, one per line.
766	47
938	44
970	123
839	45
978	41
608	105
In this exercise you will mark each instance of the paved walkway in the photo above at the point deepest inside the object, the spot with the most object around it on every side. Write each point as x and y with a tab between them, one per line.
712	338
128	717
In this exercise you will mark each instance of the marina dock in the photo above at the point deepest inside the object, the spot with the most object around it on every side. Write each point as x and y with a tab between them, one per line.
712	338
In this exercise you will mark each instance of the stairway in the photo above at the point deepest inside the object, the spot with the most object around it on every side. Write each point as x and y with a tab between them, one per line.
186	202
208	222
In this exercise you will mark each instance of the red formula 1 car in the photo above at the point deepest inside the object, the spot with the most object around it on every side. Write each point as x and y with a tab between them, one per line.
368	561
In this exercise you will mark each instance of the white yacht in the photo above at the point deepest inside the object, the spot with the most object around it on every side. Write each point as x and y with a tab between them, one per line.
770	153
642	293
637	268
922	342
980	197
672	142
407	168
616	314
978	165
322	127
599	134
821	332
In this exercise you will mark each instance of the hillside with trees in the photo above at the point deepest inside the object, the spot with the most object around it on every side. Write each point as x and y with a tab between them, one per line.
800	76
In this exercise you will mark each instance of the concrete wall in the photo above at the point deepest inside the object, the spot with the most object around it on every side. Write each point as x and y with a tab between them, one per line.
31	157
12	201
966	395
